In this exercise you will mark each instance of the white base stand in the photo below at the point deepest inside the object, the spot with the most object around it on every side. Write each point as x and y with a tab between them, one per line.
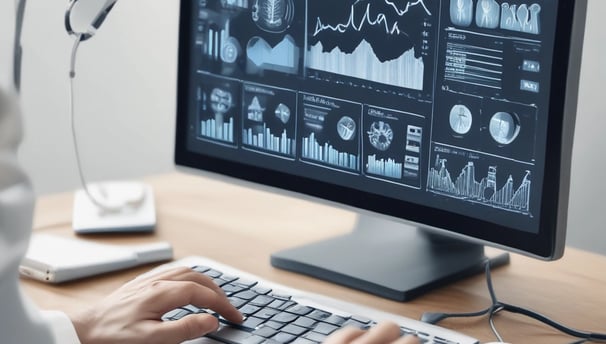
139	217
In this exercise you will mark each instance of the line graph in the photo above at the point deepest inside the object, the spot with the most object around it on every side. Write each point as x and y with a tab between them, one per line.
379	41
409	5
466	187
379	19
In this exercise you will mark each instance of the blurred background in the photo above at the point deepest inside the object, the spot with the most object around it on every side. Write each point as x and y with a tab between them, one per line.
125	103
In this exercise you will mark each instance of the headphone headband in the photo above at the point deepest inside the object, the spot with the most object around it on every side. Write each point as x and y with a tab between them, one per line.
96	19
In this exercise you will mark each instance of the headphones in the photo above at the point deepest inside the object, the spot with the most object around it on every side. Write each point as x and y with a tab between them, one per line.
84	17
82	20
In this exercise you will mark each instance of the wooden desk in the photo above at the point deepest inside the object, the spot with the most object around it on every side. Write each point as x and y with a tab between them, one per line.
201	216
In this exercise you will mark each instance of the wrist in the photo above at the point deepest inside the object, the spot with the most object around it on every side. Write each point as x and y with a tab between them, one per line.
82	324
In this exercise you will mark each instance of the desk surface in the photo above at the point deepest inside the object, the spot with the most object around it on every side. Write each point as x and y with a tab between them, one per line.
202	216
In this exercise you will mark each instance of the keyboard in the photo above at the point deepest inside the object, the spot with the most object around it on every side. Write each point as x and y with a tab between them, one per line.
278	314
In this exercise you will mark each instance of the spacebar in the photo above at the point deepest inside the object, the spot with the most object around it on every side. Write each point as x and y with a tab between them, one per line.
228	334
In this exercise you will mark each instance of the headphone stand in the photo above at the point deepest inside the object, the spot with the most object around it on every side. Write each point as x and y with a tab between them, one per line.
140	216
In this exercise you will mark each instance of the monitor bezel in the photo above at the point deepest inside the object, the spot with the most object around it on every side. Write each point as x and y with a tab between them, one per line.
547	244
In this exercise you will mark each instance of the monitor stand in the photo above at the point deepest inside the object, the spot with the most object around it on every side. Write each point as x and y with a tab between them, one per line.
388	259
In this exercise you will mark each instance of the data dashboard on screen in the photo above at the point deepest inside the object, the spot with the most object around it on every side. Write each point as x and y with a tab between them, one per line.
444	104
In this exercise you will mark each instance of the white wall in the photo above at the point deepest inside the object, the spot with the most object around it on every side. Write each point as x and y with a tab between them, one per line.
125	94
126	103
587	227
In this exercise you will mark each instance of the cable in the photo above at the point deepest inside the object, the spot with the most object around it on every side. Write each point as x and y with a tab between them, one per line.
434	318
72	76
136	191
492	325
562	328
498	306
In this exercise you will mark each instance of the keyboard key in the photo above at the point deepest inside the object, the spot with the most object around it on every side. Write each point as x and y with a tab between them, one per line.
438	340
253	339
221	281
237	302
229	278
319	314
274	324
305	322
406	330
324	328
252	323
180	314
261	290
261	300
200	268
249	309
170	315
299	310
284	317
230	335
246	295
271	341
231	289
355	323
294	329
361	319
283	337
244	283
266	313
286	305
276	303
315	336
213	273
281	296
335	320
302	340
265	331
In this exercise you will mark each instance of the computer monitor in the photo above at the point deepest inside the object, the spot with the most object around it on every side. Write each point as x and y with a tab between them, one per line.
448	123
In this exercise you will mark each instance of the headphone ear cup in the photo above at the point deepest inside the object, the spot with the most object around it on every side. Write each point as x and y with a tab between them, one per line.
117	196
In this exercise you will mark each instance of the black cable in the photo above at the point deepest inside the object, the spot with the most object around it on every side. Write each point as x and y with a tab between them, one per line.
498	306
562	328
434	318
579	341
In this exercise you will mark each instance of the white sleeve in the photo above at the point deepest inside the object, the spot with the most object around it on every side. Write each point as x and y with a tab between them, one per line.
20	321
61	326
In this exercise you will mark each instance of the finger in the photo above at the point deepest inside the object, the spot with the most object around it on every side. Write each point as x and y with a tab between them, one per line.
178	274
382	333
186	328
168	295
188	274
163	274
344	335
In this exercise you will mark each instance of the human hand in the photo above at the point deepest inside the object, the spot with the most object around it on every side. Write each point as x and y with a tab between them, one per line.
383	333
132	314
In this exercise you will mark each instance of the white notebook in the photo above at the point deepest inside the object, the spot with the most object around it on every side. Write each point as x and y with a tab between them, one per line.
56	259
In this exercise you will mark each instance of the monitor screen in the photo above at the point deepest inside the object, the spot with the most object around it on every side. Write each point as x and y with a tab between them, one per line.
454	115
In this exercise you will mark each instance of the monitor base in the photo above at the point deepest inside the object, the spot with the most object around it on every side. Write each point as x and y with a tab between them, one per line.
387	259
